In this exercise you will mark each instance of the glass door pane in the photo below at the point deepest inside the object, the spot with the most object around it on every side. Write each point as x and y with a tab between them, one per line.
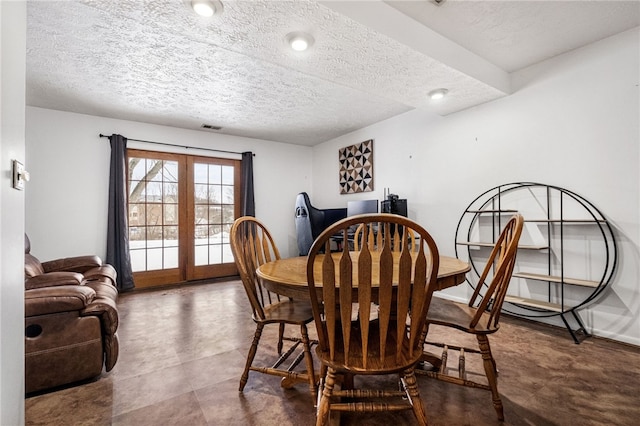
153	219
214	213
214	209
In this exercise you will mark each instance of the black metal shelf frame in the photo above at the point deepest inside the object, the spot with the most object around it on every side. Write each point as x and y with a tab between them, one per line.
490	203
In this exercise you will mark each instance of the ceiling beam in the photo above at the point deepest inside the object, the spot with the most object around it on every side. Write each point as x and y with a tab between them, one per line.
386	20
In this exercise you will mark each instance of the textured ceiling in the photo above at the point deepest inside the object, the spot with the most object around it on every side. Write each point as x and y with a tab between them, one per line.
158	62
515	34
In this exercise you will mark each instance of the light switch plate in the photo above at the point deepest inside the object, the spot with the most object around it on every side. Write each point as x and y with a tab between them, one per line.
18	175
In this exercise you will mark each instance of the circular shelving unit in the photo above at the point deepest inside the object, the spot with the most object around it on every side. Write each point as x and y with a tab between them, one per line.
567	253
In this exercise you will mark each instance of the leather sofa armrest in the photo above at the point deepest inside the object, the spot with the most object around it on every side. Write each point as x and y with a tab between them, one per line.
50	300
104	306
53	279
106	309
79	264
100	273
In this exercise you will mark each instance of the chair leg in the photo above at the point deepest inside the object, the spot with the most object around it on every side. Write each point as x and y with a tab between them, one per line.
309	362
434	360
280	338
425	332
413	393
321	380
251	356
323	371
322	415
491	372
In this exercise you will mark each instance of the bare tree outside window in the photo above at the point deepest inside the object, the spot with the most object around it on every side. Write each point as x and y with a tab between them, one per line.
153	213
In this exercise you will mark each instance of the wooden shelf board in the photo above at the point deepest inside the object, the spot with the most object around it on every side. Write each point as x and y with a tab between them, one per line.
567	221
479	244
556	279
493	211
540	304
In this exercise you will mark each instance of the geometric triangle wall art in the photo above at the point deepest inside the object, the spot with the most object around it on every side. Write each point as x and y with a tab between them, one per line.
356	167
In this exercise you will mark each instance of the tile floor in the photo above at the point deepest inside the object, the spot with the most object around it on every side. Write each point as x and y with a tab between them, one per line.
182	351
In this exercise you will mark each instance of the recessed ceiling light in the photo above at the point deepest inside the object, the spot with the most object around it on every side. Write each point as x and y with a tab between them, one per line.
437	94
299	41
206	8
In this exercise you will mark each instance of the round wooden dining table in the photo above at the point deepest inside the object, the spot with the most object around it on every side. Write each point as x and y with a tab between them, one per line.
289	276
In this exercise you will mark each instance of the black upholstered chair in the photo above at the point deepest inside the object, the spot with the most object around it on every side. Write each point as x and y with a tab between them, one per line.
311	221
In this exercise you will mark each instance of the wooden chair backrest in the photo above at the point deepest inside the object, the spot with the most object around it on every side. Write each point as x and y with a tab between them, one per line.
500	263
375	239
252	245
404	288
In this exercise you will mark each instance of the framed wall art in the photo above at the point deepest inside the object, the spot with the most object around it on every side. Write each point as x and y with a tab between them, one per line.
356	167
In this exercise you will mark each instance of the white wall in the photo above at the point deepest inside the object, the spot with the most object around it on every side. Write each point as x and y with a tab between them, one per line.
13	24
573	122
66	204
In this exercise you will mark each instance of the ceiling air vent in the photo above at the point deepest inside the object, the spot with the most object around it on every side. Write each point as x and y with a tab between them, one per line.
211	127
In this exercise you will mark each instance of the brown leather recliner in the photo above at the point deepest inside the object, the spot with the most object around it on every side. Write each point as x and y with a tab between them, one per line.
71	319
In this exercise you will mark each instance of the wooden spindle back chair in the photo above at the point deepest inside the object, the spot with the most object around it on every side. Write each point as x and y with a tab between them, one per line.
374	239
481	315
401	283
252	245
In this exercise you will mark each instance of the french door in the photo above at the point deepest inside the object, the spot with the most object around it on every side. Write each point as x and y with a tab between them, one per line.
181	209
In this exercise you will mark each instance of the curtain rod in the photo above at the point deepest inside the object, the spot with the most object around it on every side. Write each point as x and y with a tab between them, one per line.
181	146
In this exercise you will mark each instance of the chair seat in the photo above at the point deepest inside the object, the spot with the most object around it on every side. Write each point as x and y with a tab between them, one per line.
289	311
354	363
452	314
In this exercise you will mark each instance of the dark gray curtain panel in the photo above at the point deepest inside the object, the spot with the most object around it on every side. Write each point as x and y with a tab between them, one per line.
248	207
117	229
